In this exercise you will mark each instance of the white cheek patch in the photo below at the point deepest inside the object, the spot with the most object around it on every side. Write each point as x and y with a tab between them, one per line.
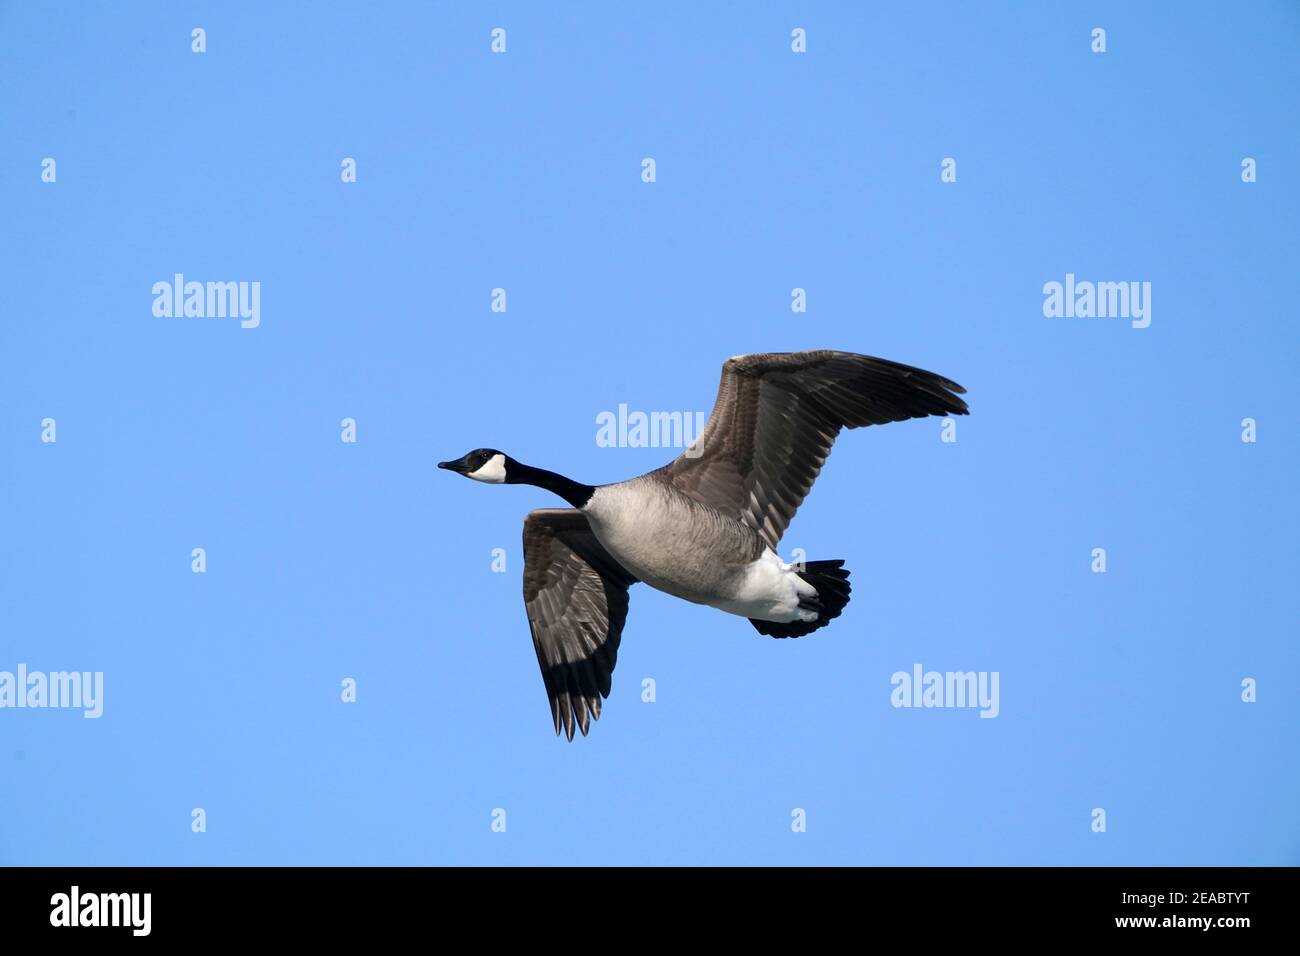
493	471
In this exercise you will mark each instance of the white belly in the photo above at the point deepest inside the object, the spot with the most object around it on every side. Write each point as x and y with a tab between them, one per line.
769	590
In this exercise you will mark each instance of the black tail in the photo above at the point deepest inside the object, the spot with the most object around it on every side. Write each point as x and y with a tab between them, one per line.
832	584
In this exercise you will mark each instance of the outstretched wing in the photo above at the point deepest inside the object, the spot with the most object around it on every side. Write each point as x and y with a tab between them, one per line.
576	597
777	415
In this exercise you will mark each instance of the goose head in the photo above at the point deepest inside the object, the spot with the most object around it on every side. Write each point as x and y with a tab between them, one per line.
483	464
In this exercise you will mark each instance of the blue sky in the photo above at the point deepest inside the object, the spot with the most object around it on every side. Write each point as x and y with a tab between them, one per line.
774	170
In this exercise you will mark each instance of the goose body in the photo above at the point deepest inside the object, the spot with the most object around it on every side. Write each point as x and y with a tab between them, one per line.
706	526
671	542
692	551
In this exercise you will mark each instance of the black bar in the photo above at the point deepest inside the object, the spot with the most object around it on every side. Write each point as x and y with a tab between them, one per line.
208	905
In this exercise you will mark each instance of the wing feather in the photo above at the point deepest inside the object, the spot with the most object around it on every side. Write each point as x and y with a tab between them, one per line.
776	417
576	598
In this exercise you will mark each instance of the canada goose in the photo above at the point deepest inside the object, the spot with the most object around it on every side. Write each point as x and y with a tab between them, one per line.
704	527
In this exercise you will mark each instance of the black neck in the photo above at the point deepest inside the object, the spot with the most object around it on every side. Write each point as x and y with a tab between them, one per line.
573	492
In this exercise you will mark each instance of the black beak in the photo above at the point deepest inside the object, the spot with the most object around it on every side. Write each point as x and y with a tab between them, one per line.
457	466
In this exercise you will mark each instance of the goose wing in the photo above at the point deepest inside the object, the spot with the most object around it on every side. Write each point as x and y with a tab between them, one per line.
576	597
777	415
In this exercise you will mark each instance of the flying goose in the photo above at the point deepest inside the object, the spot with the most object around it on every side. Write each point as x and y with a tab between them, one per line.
704	527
